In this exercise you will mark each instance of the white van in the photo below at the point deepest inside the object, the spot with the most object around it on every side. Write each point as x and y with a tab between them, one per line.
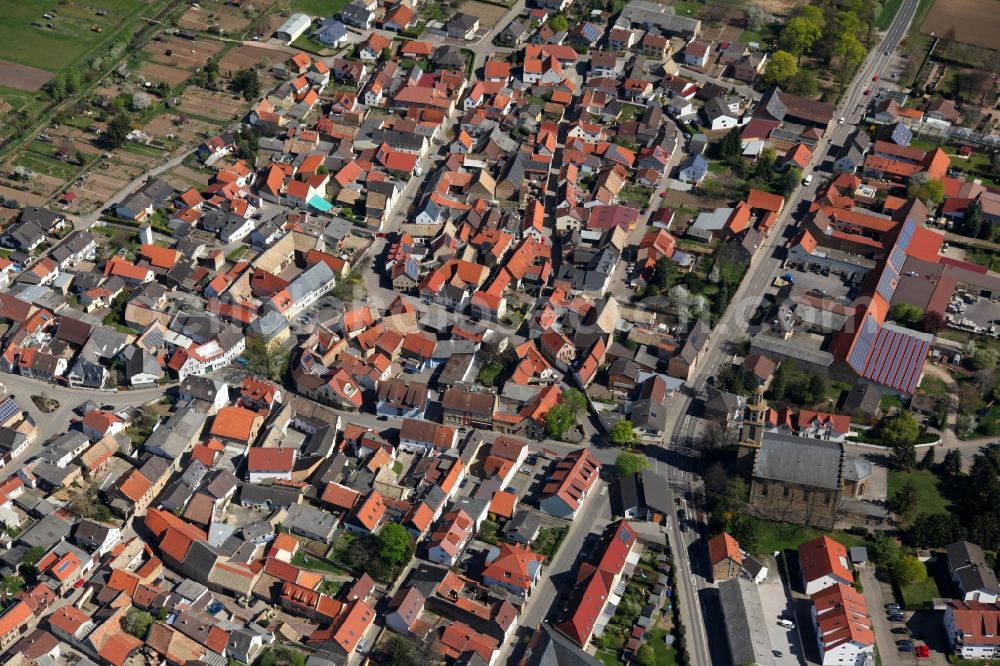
787	624
808	179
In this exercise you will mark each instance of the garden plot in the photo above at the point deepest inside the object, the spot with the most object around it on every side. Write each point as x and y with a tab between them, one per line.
216	106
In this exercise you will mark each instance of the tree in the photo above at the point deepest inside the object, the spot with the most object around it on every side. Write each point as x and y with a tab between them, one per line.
247	82
627	464
645	655
399	650
934	530
972	221
559	23
137	623
904	500
558	420
267	359
884	551
907	313
621	433
731	147
394	544
664	272
904	456
71	77
908	570
780	68
757	17
575	400
900	429
803	83
951	465
118	131
32	555
932	322
79	158
928	190
927	462
799	35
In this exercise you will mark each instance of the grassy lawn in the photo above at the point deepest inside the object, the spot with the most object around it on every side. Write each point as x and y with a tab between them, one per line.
889	9
919	595
748	36
782	536
983	258
636	194
663	653
306	561
331	587
307	43
317	7
489	373
548	541
48	166
687	7
929	497
934	387
890	402
71	36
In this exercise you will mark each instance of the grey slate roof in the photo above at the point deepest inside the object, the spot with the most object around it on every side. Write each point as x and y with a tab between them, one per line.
746	626
811	462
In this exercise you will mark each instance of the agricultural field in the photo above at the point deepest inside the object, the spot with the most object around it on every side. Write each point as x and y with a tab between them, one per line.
174	59
73	29
214	106
974	22
214	17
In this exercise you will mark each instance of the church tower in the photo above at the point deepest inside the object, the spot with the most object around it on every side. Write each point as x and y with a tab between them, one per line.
752	432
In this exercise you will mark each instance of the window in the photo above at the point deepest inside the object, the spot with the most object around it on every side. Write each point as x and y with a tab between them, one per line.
786	492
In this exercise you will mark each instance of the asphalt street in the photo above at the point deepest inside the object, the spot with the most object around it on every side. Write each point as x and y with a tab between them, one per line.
761	273
57	422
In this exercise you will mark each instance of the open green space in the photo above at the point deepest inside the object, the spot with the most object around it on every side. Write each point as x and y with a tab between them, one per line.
72	35
489	373
927	485
773	535
548	541
310	45
306	561
663	654
316	8
49	166
919	595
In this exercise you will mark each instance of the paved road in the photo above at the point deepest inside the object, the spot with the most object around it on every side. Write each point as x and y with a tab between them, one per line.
734	323
56	423
595	513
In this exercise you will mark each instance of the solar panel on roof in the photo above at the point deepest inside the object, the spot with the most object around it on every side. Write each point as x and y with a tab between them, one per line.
8	409
895	360
897	257
154	340
906	235
887	283
863	344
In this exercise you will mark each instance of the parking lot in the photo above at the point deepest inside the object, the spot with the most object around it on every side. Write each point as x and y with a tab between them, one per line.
775	602
822	283
973	312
